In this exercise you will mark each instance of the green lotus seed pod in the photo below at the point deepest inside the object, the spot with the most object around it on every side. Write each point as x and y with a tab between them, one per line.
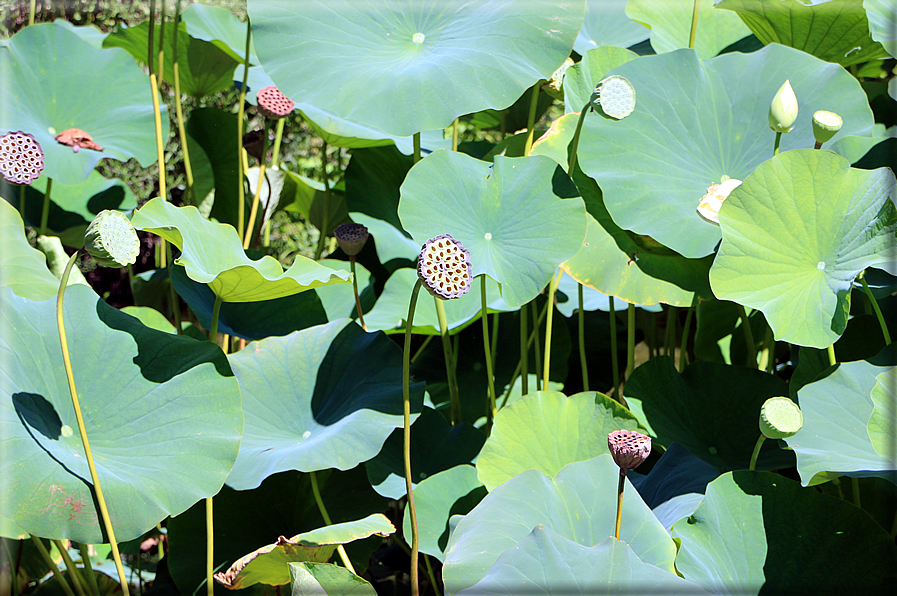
783	109
614	96
780	418
111	239
826	125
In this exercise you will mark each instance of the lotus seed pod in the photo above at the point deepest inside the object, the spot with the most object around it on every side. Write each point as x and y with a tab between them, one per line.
21	157
351	237
783	109
826	125
615	96
111	239
628	448
710	203
273	104
77	139
780	418
444	267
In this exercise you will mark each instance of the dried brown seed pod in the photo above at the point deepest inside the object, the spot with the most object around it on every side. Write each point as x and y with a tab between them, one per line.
21	157
76	139
273	104
351	237
628	448
444	267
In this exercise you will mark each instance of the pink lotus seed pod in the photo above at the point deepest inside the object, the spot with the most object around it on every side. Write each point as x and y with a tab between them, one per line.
351	237
273	104
21	157
628	448
444	267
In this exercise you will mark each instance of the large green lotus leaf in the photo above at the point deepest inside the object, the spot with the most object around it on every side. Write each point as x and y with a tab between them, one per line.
420	65
547	563
547	430
882	18
834	31
436	446
696	121
436	499
72	206
213	131
270	564
53	81
711	409
323	579
581	78
670	24
213	254
391	310
520	217
203	68
324	397
580	504
606	24
251	320
22	269
758	533
883	421
835	436
283	505
795	235
391	243
339	299
220	27
155	406
88	33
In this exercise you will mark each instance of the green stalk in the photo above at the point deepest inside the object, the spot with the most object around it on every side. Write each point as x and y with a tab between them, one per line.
537	352
355	288
344	557
406	435
31	10
241	208
104	512
22	199
531	118
669	335
422	347
161	261
175	304
877	309
455	135
91	576
574	144
253	213
532	338
495	320
210	509
326	215
182	131
775	149
523	365
768	355
151	40
161	54
449	361
614	363
756	453
492	408
683	348
430	573
620	485
13	568
213	330
748	336
694	24
75	576
582	342
54	569
630	339
278	137
416	141
855	489
45	214
832	360
552	289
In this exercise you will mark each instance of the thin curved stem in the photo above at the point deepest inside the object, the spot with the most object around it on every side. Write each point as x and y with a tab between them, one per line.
45	214
161	54
614	363
756	453
855	489
325	216
748	336
523	365
66	359
582	342
77	580
54	569
422	347
406	436
630	339
775	148
340	549
91	576
694	23
620	485
574	144
531	118
492	408
683	347
172	293
357	298
877	309
22	201
278	137
532	338
241	207
537	351
210	509
182	131
552	289
250	226
455	135
449	361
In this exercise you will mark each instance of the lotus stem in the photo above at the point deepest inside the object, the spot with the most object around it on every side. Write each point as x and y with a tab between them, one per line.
537	351
151	36
832	360
449	362
775	148
430	574
213	329
614	362
582	341
210	509
31	9
173	295
630	339
241	208
422	347
45	214
161	53
491	409
683	348
355	288
182	132
517	371
91	576
416	141
325	221
552	290
104	512
278	137
77	580
316	491
748	336
768	355
22	200
406	434
250	226
531	118
694	24
455	135
756	453
45	555
574	144
523	365
877	309
620	485
855	489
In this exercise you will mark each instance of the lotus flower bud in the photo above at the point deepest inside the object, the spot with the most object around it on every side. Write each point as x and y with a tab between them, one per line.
351	237
780	418
112	240
21	157
826	125
628	448
444	267
614	96
710	203
783	110
273	104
